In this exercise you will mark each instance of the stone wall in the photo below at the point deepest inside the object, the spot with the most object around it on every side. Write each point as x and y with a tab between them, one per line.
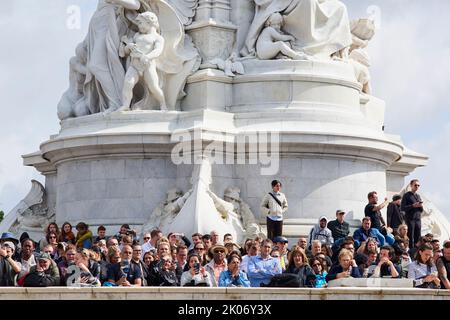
266	294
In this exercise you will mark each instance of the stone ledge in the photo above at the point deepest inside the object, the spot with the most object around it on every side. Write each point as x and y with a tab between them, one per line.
161	293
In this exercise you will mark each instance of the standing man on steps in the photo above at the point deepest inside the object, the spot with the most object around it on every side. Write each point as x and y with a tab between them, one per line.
273	206
412	205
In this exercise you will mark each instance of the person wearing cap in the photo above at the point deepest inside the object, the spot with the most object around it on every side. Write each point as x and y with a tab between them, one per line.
8	267
339	229
273	206
43	274
395	217
217	264
282	244
7	236
321	232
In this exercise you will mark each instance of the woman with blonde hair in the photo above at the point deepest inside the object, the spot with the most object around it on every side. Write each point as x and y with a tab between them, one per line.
90	270
346	268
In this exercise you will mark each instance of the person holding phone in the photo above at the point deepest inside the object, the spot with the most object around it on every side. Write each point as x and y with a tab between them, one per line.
196	275
412	205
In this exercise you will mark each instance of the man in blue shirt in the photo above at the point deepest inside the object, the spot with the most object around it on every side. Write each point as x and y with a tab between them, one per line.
366	231
263	267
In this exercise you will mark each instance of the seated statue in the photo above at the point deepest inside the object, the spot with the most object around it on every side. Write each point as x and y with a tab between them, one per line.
232	207
321	28
272	41
166	212
146	47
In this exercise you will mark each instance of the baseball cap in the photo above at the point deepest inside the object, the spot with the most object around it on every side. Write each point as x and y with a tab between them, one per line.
340	211
280	239
45	256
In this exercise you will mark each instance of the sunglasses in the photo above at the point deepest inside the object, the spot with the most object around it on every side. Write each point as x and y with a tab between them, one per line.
199	248
146	238
52	237
219	251
417	185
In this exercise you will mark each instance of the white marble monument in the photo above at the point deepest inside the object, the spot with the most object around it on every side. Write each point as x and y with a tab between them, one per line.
252	88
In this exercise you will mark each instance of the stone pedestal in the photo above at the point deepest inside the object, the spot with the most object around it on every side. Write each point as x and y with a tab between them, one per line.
114	169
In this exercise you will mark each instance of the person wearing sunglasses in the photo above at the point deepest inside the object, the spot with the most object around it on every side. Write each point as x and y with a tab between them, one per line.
318	280
121	272
217	264
200	250
412	205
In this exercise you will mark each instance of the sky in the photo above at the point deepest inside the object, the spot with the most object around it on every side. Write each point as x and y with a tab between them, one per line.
410	71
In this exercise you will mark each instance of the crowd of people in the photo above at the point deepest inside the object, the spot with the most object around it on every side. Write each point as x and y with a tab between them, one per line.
375	250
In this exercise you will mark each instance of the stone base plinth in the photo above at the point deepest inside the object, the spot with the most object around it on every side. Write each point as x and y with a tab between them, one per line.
188	294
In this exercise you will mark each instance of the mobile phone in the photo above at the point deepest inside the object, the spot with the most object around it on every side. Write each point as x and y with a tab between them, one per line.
197	267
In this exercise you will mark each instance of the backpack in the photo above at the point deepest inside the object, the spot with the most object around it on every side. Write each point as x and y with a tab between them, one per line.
284	280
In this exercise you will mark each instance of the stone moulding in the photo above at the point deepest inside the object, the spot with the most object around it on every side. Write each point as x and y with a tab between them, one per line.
266	294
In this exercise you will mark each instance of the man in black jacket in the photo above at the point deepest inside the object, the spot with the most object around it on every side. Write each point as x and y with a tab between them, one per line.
339	229
412	205
395	217
44	274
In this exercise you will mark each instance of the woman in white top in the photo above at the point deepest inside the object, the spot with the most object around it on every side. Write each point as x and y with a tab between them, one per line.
196	275
422	270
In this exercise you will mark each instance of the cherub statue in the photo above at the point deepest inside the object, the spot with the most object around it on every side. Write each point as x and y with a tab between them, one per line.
72	103
272	42
168	210
147	45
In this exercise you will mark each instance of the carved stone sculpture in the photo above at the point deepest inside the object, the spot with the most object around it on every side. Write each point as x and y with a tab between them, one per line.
72	102
98	72
164	213
231	66
147	45
272	42
363	31
233	205
321	28
31	215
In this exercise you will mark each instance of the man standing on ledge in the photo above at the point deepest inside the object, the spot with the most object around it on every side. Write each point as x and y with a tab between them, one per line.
274	205
412	205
